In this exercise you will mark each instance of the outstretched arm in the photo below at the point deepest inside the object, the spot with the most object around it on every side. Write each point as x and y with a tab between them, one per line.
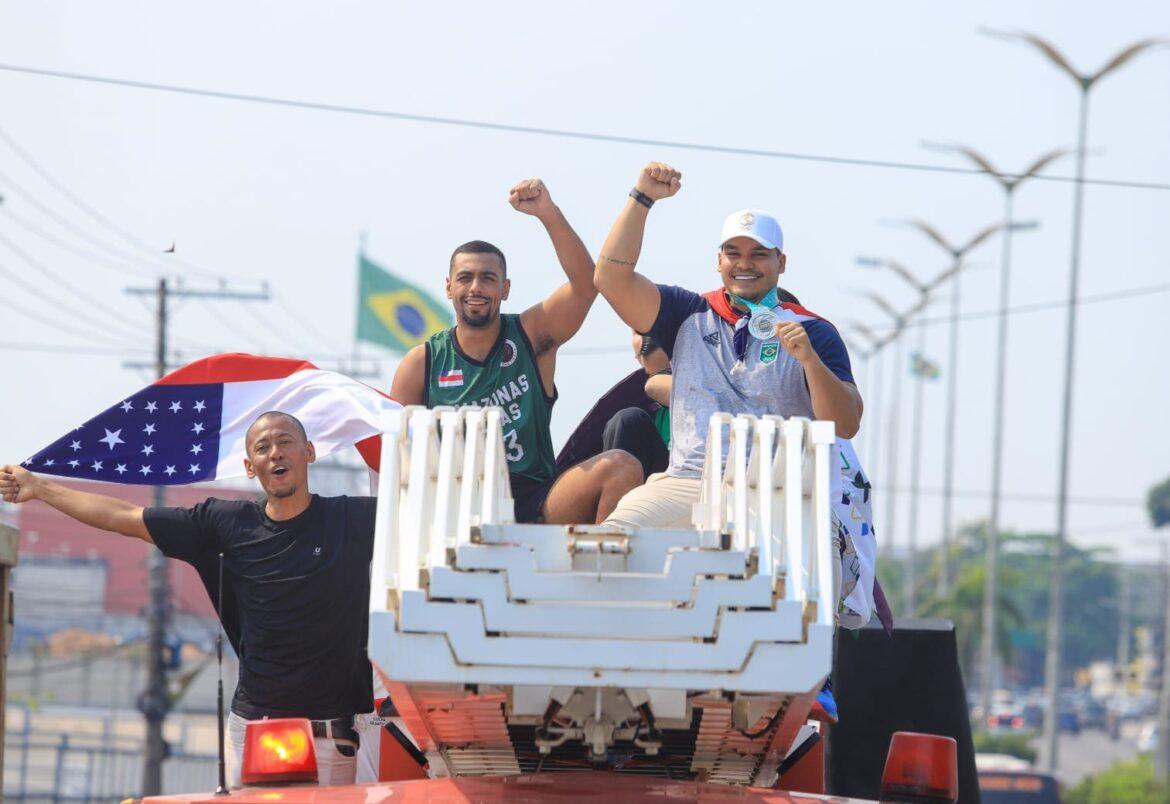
634	297
552	322
18	485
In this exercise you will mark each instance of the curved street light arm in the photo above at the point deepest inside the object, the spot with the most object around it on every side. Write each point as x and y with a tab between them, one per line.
1046	48
1125	55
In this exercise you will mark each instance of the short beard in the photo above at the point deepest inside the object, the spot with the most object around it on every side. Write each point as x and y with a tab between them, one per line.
284	494
477	320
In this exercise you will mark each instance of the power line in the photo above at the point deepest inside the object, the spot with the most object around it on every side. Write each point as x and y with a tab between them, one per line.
552	132
1147	290
1130	293
67	246
115	315
66	348
304	322
17	279
974	494
64	222
148	250
88	335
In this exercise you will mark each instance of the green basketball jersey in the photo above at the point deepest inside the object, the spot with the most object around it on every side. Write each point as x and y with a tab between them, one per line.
507	377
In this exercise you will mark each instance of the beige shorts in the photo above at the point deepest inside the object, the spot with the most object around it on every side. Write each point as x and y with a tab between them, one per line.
661	502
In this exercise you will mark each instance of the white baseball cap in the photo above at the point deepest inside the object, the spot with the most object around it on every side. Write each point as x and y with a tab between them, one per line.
758	224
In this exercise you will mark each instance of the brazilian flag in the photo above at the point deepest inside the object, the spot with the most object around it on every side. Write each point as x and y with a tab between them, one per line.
394	313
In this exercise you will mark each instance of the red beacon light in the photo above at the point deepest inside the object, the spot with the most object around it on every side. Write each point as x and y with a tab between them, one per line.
921	768
279	750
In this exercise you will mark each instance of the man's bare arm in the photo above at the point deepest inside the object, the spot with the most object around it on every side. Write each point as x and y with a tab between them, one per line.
18	485
410	380
658	388
633	297
833	399
552	322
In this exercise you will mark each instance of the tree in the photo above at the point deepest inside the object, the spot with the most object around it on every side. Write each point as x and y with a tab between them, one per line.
1158	503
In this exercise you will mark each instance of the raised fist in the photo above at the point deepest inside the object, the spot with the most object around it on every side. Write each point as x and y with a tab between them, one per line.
531	197
16	484
659	180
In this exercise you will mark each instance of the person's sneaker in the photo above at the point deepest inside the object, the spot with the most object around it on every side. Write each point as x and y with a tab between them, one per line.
826	701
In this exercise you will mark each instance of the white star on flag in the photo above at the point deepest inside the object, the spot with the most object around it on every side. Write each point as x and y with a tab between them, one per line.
50	462
170	470
200	405
112	438
75	463
145	470
97	466
148	450
198	428
176	406
151	407
148	429
194	468
127	406
196	449
76	445
120	468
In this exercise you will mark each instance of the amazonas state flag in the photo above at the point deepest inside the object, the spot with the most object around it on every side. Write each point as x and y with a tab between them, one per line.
190	425
394	313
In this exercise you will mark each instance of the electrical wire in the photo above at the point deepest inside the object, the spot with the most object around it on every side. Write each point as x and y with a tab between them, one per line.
1129	293
64	348
60	187
1104	502
64	222
149	251
552	132
62	282
102	326
65	245
303	321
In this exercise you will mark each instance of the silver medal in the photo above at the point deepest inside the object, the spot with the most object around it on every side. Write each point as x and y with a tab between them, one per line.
762	324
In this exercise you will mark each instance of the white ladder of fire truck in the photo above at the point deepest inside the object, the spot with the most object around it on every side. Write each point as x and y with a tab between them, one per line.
597	635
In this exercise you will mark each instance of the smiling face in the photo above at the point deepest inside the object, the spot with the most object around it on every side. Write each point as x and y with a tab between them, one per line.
748	269
476	286
279	454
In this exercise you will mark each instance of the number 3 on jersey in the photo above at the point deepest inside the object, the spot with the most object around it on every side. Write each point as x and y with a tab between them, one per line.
514	452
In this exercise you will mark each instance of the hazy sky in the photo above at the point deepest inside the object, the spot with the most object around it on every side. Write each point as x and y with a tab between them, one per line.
258	192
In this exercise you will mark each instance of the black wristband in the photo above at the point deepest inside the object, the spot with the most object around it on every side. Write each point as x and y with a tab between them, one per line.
641	198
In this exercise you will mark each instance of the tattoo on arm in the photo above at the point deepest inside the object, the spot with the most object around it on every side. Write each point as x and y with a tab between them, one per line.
617	261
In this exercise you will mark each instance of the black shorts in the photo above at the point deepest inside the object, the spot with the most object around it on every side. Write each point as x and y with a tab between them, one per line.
528	497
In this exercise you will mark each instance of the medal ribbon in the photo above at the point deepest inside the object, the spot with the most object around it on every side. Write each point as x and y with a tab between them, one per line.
742	336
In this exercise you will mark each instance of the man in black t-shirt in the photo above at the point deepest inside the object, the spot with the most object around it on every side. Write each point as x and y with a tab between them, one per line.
296	585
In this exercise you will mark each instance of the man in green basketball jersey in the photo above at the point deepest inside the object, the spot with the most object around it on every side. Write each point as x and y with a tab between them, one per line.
509	360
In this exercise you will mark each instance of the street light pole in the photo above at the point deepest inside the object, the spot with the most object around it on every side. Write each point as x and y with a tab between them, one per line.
1054	642
957	253
1009	185
910	579
895	404
873	405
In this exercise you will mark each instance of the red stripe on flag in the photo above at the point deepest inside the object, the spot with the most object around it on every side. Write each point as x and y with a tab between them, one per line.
234	367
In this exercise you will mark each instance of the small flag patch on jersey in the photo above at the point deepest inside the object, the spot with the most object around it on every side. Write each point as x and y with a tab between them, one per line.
451	379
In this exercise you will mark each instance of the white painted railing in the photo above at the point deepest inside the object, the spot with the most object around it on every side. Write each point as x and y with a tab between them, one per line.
771	495
444	473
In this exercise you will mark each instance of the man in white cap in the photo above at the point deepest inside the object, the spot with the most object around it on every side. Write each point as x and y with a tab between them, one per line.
746	347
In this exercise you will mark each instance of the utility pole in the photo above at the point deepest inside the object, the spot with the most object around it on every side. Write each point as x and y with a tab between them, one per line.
1125	606
155	702
1162	750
